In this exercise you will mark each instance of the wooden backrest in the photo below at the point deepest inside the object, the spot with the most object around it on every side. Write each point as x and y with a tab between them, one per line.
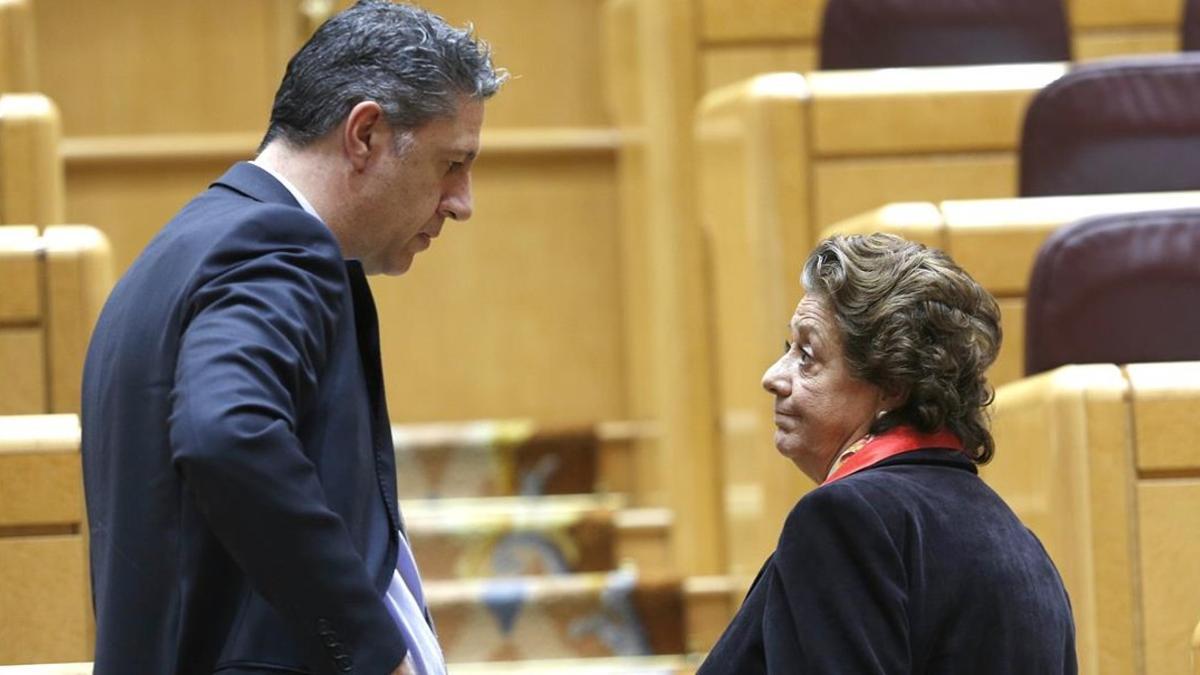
54	286
44	592
31	170
18	68
1093	459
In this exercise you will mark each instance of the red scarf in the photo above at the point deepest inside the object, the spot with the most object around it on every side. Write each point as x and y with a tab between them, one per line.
891	443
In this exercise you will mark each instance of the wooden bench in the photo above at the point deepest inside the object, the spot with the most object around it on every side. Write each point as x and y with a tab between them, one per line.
620	613
459	538
1097	461
490	458
45	599
54	285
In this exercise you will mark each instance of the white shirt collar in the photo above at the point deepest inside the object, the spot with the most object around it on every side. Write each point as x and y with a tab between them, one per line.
304	203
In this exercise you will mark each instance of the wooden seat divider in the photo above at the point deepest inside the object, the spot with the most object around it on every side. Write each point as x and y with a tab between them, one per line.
18	67
1097	460
31	170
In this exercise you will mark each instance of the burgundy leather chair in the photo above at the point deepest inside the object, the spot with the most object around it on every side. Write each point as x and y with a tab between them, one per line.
1123	125
902	33
1116	289
1191	25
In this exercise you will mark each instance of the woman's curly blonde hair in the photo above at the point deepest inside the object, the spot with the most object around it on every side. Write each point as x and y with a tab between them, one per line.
912	321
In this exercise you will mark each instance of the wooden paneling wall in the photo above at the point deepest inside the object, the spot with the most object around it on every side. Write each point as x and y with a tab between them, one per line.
139	67
517	313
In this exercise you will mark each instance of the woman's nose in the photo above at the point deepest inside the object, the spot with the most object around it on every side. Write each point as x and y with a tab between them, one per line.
775	381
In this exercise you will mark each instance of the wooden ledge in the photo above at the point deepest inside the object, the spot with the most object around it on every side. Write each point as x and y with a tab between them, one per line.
39	433
231	147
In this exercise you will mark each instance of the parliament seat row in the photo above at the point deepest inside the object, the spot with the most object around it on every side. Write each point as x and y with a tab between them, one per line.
782	157
1094	458
848	142
533	576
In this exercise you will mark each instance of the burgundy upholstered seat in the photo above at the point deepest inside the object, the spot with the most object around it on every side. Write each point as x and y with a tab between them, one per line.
1122	125
903	33
1116	289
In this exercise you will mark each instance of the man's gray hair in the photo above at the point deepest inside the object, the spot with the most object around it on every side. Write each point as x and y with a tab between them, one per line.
409	61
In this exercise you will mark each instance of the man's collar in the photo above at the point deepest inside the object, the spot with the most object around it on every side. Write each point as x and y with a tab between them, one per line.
295	191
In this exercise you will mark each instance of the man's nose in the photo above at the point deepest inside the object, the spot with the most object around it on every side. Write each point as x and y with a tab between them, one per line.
456	204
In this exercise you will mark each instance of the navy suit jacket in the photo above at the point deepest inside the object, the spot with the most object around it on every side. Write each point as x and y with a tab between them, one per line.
911	566
238	463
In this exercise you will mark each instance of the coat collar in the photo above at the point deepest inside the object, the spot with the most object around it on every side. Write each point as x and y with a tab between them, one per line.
255	183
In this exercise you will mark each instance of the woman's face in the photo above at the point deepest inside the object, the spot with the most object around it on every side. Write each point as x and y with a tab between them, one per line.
820	407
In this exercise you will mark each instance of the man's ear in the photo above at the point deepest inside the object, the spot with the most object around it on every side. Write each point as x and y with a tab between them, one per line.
363	133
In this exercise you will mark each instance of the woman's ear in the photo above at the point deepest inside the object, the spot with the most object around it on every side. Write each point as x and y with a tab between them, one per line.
892	397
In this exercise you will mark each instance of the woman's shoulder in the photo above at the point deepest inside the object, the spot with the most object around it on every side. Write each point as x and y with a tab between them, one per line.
858	501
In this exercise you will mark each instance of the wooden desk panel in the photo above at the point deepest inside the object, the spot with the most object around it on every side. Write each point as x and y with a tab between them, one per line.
44	600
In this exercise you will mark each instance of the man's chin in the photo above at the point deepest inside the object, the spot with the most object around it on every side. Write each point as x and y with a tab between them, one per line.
395	268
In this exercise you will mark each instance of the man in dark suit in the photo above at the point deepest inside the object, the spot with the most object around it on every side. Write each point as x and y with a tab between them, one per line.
238	464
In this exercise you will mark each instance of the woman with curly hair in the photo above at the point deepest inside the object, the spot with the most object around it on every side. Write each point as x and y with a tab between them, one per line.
902	560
